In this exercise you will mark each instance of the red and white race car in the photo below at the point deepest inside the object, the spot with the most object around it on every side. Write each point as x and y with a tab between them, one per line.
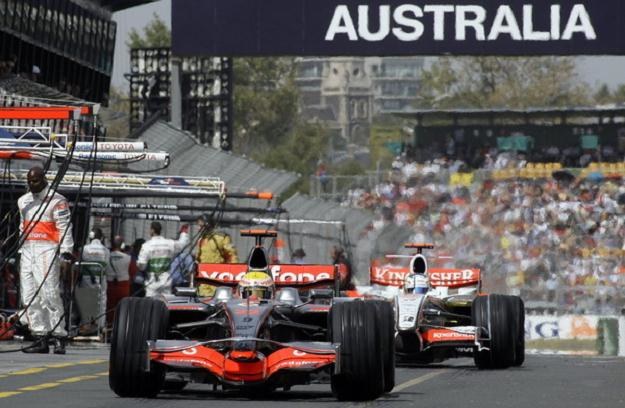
442	313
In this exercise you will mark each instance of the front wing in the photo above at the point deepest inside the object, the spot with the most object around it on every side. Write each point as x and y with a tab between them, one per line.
244	366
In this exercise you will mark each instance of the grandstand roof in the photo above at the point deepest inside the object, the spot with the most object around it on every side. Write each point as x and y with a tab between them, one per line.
560	113
13	84
189	158
117	5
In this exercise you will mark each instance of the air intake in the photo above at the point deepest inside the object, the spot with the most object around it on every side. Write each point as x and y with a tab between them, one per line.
419	264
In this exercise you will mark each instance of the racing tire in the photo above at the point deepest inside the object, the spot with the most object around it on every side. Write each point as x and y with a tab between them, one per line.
386	319
137	320
491	313
517	310
355	326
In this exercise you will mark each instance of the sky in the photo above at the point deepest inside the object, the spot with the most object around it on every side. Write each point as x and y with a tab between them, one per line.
592	70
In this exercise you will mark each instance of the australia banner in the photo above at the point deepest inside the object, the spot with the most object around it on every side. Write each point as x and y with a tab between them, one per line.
397	27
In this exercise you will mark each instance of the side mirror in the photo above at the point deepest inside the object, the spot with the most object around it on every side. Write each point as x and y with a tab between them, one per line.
327	294
185	291
223	294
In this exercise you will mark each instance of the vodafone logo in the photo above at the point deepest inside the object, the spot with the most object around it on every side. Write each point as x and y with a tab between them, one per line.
279	276
222	276
286	277
190	352
298	353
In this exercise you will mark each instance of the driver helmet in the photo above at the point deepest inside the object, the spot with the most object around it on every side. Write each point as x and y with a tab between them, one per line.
416	283
256	284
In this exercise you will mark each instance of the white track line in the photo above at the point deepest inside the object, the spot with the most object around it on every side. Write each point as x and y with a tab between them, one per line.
417	380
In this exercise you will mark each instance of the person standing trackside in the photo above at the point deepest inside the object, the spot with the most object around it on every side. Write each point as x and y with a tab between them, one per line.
156	256
214	247
97	253
119	279
45	220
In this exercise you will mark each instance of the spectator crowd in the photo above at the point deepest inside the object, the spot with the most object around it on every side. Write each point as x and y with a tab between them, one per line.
550	239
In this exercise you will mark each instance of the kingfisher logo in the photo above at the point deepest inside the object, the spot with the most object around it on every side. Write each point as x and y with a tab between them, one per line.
460	275
388	275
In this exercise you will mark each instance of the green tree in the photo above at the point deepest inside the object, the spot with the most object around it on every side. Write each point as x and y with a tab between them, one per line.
497	82
155	34
619	94
299	151
603	95
265	103
115	116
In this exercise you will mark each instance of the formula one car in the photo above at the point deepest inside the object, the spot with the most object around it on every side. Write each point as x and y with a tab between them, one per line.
441	313
266	327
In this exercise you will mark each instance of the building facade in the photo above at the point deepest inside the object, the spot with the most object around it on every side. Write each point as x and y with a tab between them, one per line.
345	93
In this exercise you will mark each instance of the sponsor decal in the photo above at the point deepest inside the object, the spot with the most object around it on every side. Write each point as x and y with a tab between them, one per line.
563	327
388	275
190	351
281	274
298	353
436	335
454	277
252	311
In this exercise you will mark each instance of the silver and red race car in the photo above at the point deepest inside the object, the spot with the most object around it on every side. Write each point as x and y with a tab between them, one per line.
442	313
300	333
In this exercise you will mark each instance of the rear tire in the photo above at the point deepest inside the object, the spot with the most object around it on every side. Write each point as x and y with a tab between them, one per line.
493	313
386	319
356	327
137	320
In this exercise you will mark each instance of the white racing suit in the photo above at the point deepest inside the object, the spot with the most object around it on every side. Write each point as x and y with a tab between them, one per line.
155	258
90	275
47	229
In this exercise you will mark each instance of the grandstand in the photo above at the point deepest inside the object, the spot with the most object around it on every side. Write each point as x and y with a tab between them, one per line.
66	45
540	134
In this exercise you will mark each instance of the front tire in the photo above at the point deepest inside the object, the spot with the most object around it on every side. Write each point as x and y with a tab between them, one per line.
137	320
491	314
386	319
517	309
356	327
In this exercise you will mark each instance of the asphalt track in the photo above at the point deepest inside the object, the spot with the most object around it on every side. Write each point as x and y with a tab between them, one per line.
79	380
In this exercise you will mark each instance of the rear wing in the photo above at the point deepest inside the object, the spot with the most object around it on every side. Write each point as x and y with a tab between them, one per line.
389	275
295	275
